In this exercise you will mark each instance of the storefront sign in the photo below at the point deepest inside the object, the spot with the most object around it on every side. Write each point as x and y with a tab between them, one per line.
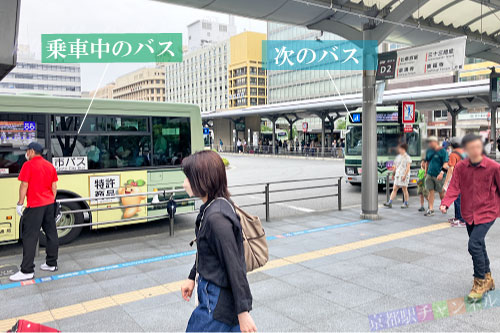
71	163
104	187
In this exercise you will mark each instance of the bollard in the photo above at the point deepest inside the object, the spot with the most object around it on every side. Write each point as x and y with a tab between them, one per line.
171	218
266	193
171	209
339	193
387	187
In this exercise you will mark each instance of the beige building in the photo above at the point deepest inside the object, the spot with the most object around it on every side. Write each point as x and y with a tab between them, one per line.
105	92
145	84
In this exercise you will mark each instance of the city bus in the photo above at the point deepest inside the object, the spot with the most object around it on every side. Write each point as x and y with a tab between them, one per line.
389	134
123	147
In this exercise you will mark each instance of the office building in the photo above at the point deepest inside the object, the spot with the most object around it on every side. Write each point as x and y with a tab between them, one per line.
105	92
201	78
30	76
247	79
145	84
209	31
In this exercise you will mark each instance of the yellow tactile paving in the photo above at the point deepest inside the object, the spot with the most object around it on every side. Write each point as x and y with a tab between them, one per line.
133	296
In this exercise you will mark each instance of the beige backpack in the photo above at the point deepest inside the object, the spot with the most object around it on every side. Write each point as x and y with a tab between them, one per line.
254	238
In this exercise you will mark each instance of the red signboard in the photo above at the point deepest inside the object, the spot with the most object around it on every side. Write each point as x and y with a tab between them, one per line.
304	127
408	128
408	116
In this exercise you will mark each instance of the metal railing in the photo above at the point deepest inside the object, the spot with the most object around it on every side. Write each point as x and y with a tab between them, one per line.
168	197
333	152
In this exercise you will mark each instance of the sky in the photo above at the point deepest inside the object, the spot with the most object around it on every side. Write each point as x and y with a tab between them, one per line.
112	16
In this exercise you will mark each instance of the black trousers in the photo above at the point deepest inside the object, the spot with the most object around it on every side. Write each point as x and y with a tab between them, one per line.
32	220
477	248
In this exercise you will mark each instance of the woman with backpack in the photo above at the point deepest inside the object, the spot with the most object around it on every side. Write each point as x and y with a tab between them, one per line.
223	290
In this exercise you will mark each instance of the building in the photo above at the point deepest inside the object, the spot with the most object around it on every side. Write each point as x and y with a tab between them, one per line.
30	76
247	79
209	31
145	84
105	92
201	78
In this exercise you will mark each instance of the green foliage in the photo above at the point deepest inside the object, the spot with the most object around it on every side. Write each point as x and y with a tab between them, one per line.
340	124
265	129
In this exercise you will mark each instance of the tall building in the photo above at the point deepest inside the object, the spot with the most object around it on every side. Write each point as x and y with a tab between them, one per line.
209	31
105	92
145	84
30	76
201	78
247	79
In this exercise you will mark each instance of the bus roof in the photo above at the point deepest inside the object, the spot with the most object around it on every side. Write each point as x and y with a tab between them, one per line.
71	105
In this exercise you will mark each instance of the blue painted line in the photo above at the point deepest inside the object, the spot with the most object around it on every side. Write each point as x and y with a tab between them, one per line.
165	257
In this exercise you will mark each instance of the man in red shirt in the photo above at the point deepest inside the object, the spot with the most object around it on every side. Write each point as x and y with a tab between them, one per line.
477	180
39	184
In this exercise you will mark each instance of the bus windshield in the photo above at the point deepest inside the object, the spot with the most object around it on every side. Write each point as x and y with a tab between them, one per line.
388	138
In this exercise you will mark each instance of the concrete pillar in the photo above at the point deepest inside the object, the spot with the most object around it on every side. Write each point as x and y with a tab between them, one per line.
369	177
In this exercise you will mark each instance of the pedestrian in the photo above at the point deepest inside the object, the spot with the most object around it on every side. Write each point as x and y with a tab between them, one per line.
456	156
436	163
223	290
239	146
342	146
401	175
488	146
221	144
477	180
39	186
421	190
446	143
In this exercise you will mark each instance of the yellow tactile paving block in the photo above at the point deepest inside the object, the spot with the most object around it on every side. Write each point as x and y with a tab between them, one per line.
123	298
154	291
99	304
68	311
7	324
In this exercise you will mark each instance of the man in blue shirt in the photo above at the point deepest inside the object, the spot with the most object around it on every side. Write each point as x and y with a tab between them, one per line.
436	163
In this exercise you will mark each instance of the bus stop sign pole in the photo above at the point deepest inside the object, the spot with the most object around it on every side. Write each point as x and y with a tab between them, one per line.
369	176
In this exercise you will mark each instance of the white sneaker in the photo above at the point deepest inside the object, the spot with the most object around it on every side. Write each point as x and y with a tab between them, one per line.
20	276
45	267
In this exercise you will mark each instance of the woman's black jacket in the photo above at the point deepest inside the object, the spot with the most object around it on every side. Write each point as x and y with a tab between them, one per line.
221	259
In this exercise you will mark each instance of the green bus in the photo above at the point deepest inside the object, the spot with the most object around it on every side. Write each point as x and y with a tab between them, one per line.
123	147
389	134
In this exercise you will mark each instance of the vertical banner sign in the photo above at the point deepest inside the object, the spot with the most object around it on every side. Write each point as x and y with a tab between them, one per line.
101	48
386	68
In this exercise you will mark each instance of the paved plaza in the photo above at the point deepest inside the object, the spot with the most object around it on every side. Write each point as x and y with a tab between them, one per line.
328	271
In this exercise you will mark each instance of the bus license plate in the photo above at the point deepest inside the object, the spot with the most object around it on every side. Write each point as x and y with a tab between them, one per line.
381	180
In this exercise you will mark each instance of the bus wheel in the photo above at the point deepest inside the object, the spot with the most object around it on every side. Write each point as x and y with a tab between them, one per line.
66	235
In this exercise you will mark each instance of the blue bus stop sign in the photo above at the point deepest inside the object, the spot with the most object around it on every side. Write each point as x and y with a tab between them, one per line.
206	131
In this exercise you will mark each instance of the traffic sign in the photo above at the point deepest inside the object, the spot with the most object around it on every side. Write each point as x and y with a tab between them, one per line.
408	128
304	127
206	131
408	112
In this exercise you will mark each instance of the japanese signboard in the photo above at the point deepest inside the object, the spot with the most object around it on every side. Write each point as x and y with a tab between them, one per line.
70	163
17	133
319	54
104	187
386	68
382	117
443	57
408	112
98	48
408	128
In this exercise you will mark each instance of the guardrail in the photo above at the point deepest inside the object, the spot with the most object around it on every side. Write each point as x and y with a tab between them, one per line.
334	152
170	194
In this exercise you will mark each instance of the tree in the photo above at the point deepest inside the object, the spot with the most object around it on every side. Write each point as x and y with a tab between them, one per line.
340	124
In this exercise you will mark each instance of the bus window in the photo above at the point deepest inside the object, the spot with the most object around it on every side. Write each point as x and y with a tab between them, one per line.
353	140
171	140
17	131
105	152
73	123
128	124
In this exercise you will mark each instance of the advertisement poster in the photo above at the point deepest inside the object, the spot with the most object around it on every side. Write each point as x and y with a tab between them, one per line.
17	133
